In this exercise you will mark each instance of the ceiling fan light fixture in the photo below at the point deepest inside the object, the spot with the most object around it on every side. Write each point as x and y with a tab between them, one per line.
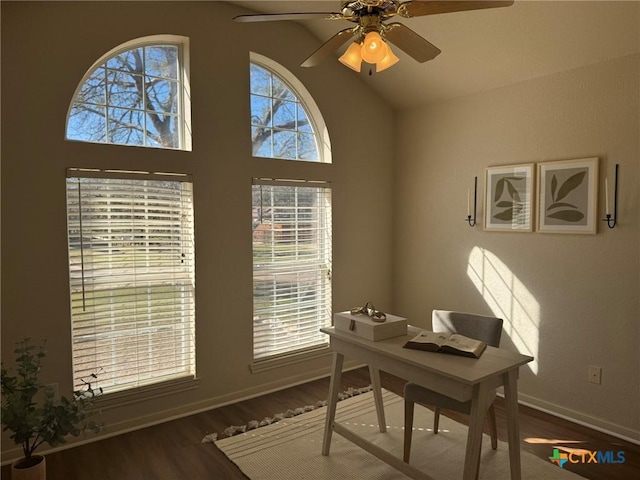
374	49
388	61
370	17
352	58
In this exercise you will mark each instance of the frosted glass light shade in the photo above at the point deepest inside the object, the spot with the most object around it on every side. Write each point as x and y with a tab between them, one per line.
388	61
352	58
373	48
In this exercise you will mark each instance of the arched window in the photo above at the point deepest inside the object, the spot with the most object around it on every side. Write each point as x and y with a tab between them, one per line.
136	94
285	121
291	219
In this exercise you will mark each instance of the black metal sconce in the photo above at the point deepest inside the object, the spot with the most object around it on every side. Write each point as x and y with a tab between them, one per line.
611	222
472	220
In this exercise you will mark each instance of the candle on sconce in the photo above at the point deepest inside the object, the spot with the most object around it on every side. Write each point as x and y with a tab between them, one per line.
468	202
606	196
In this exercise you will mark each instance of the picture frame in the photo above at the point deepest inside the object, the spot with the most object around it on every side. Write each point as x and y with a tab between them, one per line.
568	196
508	199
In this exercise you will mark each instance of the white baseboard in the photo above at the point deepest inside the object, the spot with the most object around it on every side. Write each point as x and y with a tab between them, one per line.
574	416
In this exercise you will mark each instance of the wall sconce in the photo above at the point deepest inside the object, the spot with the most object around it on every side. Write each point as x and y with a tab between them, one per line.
472	220
611	222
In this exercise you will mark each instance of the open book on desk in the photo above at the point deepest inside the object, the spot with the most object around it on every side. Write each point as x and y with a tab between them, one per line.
447	343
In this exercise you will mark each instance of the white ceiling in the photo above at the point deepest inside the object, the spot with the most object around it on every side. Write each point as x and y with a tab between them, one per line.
487	49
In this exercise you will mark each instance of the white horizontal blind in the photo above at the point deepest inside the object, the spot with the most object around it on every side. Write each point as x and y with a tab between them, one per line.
291	267
132	282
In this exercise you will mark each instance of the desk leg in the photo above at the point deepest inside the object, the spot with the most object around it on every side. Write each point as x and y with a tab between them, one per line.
334	387
474	437
513	423
374	373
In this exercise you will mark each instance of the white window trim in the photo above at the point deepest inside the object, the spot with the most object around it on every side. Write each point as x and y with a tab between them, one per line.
147	392
262	365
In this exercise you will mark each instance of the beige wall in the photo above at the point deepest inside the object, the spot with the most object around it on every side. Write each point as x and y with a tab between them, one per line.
570	300
47	48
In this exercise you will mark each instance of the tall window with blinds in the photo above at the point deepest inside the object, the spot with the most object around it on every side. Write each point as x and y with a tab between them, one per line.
132	282
291	267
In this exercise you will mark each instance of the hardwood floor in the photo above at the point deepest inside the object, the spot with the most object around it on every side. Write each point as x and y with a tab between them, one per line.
172	451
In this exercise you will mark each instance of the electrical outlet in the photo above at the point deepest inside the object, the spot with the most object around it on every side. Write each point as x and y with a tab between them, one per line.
595	374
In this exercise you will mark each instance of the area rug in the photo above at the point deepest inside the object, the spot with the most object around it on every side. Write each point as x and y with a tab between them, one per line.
291	448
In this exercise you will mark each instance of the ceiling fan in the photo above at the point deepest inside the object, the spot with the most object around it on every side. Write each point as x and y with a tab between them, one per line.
371	33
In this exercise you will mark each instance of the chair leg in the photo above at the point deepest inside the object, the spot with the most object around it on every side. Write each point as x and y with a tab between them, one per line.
408	428
436	419
492	427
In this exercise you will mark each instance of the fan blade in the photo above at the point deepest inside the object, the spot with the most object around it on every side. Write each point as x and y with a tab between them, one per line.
272	17
410	42
418	8
329	47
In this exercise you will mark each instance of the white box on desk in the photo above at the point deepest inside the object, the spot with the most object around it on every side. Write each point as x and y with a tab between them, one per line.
364	327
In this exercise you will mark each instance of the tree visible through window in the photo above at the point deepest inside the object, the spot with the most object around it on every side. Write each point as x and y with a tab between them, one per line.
280	125
291	219
291	267
134	97
132	281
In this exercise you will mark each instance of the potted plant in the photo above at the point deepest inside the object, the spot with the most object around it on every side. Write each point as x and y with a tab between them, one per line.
33	415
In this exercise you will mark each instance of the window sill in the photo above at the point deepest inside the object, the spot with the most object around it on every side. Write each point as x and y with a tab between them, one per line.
291	359
147	392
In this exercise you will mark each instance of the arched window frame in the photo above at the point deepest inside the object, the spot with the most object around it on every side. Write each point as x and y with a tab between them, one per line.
184	115
292	231
306	100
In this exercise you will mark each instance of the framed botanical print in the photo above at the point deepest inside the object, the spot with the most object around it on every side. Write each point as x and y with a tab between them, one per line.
567	196
508	198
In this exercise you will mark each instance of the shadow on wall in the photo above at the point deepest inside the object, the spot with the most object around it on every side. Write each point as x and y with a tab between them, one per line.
508	299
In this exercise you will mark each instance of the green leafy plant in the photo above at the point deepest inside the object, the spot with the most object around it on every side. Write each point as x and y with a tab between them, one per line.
30	410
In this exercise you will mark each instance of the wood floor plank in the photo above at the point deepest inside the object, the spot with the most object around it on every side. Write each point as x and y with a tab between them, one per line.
173	450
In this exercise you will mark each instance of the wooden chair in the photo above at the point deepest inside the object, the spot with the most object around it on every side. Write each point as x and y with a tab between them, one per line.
479	327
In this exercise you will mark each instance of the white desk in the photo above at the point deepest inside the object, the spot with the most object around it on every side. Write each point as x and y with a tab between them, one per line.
457	377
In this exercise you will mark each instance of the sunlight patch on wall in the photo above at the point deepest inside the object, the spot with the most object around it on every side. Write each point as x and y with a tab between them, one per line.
508	299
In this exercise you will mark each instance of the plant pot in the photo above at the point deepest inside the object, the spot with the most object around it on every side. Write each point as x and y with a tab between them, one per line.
34	472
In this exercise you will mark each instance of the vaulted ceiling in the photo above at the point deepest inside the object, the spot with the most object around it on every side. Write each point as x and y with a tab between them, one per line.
487	49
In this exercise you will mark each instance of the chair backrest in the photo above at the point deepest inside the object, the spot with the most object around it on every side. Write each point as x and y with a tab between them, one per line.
480	327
